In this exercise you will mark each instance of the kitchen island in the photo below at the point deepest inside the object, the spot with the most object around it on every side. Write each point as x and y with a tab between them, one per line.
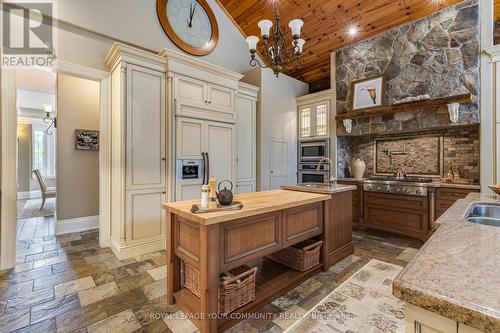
218	242
452	284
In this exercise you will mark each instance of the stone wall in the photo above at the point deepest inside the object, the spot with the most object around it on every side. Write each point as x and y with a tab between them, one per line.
460	148
437	55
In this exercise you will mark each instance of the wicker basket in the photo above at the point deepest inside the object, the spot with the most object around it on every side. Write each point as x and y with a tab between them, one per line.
238	290
301	256
233	293
192	279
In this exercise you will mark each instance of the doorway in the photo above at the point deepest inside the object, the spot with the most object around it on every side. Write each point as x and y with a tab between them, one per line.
8	170
36	157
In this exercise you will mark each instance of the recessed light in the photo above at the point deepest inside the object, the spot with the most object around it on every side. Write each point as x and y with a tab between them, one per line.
352	30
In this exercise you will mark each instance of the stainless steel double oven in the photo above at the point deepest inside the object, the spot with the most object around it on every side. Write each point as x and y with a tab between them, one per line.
310	153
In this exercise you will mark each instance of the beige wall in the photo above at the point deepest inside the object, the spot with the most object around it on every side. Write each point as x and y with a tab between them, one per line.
23	157
77	170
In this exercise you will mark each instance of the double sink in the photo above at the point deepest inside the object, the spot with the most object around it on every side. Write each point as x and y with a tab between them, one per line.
486	214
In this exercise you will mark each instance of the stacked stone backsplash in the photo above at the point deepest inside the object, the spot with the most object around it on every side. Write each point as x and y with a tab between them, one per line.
437	55
460	148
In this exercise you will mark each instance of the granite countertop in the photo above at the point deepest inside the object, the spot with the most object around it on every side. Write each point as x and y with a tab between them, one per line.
456	273
325	189
352	179
254	203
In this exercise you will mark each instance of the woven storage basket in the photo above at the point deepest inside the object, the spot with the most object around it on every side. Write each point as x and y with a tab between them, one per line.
301	256
238	290
192	279
233	293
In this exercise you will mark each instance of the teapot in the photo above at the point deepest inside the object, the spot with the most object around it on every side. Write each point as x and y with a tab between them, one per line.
225	196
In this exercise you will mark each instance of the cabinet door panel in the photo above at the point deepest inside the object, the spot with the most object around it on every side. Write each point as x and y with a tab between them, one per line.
145	128
305	121
144	215
188	190
189	138
188	90
220	148
246	135
221	97
244	188
321	119
302	223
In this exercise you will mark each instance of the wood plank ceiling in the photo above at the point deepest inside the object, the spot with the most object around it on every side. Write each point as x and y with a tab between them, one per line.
326	23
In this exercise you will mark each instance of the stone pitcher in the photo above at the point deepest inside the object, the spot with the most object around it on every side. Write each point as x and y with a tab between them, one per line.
358	168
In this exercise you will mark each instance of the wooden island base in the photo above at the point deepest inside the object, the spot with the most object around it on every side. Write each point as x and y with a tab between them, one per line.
269	221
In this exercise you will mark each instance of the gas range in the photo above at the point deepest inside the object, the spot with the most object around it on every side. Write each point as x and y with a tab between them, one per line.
392	185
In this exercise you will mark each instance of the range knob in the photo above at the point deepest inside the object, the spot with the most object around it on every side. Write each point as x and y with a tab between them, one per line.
369	188
407	190
398	190
379	188
418	192
387	189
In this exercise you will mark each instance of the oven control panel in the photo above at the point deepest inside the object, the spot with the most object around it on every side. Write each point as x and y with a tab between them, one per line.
395	188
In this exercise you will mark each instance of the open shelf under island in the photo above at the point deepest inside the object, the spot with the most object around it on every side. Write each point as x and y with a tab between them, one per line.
214	243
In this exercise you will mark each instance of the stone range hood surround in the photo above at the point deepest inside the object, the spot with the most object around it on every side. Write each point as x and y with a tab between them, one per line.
437	55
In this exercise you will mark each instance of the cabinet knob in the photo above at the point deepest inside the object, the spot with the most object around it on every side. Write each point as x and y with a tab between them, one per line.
209	102
163	192
163	159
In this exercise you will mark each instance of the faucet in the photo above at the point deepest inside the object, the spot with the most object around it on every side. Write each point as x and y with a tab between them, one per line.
332	180
400	172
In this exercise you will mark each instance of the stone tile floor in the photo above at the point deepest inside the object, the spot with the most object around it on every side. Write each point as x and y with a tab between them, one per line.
70	284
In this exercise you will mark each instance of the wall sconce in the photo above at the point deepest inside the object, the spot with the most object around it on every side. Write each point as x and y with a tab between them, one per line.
454	112
51	121
348	125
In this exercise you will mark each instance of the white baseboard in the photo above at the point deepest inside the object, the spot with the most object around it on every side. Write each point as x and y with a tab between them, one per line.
77	225
29	195
130	251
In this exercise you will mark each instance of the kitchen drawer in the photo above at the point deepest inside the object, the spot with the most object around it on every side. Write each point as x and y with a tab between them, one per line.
393	200
302	223
454	194
396	219
249	238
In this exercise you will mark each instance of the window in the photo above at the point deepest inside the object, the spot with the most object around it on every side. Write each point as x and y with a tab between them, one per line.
43	148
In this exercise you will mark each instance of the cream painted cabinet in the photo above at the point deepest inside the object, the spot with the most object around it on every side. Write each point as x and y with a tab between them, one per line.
190	138
220	146
194	137
314	120
314	115
199	99
145	121
138	153
246	123
418	320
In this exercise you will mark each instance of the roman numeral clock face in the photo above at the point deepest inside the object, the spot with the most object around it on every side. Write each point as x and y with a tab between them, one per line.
190	24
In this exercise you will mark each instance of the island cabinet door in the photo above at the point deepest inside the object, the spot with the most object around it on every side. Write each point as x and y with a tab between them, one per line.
302	223
250	238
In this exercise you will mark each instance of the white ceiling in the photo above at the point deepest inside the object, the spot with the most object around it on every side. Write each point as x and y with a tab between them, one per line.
39	79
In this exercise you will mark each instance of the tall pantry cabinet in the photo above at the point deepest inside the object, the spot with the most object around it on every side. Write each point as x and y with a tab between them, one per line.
139	150
246	137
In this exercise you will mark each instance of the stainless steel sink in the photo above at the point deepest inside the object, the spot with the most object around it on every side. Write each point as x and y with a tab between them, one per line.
315	185
486	214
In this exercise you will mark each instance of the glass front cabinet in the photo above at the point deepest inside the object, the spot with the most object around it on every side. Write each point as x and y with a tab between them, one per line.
314	120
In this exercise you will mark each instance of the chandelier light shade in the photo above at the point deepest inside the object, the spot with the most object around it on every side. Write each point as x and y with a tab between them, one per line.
273	47
48	119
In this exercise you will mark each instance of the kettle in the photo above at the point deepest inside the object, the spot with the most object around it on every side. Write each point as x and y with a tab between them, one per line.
225	196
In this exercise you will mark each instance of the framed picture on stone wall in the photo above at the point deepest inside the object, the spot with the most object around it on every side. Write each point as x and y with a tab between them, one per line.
368	93
86	139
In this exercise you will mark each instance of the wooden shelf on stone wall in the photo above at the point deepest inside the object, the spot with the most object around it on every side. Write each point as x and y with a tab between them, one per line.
405	107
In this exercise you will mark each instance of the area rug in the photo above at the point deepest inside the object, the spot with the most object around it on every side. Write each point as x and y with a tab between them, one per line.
32	208
363	303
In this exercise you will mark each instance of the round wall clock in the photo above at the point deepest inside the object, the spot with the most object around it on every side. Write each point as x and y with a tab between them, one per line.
190	24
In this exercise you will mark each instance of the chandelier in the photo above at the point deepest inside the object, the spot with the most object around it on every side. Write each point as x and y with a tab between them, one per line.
274	49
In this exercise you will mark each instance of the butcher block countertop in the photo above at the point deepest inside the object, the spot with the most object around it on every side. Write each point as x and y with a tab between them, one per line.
254	203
